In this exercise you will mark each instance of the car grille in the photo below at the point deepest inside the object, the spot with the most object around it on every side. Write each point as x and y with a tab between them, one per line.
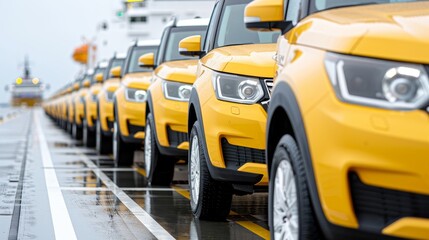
236	156
110	124
269	84
133	129
176	138
377	207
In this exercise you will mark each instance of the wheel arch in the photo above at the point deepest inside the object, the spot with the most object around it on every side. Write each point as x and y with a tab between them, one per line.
279	125
149	106
193	116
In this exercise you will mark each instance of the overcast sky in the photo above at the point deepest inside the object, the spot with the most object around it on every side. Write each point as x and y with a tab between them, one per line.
47	31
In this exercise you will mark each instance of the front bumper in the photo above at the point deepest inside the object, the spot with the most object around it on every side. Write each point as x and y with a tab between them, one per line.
106	116
171	121
91	113
79	112
387	151
131	117
237	141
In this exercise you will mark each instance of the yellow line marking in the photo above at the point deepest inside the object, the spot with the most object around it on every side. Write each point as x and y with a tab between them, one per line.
140	170
251	226
183	192
255	228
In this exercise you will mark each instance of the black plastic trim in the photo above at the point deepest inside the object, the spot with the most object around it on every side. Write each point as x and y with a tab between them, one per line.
221	174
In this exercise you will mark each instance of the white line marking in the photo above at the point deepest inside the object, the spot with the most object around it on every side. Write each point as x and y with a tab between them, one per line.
123	189
154	227
78	169
63	226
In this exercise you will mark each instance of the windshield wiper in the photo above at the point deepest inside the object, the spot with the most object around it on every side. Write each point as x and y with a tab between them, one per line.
352	5
237	44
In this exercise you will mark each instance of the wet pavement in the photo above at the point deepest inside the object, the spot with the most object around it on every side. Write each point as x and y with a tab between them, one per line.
53	188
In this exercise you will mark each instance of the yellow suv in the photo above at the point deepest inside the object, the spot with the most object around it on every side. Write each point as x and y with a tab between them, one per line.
130	103
75	86
227	110
79	104
167	109
104	125
90	104
347	130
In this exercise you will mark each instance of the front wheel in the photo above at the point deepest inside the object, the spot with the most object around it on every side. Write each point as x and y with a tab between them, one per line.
76	132
290	212
103	143
159	169
123	153
88	135
210	199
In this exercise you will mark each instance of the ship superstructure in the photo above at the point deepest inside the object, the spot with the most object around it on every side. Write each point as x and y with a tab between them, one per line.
26	90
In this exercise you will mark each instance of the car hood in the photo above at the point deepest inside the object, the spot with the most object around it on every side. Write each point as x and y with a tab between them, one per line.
249	60
95	89
111	84
397	31
137	80
179	71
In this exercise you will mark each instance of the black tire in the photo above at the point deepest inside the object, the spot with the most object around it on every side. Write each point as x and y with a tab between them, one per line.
161	170
288	151
88	135
214	198
77	132
123	152
69	127
103	143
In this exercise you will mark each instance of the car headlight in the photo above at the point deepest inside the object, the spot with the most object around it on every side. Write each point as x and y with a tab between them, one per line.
378	83
176	91
238	89
135	95
109	96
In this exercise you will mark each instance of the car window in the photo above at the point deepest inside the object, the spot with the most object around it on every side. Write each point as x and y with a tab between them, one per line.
232	30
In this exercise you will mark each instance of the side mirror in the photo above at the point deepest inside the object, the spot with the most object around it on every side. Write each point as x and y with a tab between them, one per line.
115	72
76	86
86	84
147	60
99	78
190	46
263	15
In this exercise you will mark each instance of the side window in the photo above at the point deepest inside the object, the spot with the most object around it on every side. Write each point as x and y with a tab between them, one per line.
293	10
211	29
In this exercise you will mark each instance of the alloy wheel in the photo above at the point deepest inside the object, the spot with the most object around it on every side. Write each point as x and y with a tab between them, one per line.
195	170
148	150
285	203
115	140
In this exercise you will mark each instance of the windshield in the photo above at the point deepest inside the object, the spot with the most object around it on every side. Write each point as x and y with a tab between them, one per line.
319	5
117	62
177	34
232	30
133	64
